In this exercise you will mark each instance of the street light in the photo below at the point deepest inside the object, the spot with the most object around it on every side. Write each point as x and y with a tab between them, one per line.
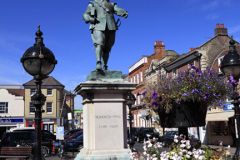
130	100
38	61
231	65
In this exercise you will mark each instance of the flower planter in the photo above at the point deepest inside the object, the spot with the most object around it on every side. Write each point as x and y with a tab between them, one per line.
187	114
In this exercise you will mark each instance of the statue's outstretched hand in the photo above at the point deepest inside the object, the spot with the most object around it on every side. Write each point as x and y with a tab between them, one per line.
125	15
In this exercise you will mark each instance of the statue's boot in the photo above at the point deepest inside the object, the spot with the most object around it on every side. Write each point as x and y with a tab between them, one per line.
98	53
98	66
105	57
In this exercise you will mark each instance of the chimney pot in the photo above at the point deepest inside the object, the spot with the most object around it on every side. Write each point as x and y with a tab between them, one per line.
220	30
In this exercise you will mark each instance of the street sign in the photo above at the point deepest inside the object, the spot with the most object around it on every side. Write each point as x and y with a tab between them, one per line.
227	107
60	133
69	116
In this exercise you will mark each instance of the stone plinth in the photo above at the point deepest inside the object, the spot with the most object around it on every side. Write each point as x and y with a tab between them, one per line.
105	120
108	75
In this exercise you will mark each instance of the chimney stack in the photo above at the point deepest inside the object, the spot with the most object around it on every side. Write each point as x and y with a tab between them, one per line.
220	30
191	49
159	49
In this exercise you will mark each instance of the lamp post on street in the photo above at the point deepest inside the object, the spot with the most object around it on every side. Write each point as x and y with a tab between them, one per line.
130	100
231	65
39	62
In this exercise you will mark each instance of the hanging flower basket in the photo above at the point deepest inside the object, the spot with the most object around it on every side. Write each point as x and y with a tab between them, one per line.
182	101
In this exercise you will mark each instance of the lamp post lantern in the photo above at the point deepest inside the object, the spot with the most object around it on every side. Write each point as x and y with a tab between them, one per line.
39	62
130	100
231	65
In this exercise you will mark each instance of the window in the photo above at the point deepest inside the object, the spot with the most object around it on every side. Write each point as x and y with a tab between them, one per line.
139	98
220	128
174	73
49	107
49	92
3	107
219	62
32	91
137	78
31	108
141	76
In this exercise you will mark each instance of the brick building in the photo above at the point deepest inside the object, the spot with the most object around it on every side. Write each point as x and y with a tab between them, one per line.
136	75
210	53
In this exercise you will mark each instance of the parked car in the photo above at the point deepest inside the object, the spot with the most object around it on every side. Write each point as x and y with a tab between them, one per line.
134	130
74	143
45	134
69	133
77	134
146	133
25	138
168	138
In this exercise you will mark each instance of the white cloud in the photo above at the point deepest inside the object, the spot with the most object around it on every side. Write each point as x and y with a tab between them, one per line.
212	16
234	29
212	5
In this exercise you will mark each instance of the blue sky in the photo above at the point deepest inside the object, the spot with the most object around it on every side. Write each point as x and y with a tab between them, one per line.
179	24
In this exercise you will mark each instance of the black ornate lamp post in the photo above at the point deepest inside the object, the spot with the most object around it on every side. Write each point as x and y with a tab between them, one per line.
130	100
231	65
38	61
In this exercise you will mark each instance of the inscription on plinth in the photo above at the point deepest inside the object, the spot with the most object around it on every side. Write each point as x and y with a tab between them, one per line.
109	126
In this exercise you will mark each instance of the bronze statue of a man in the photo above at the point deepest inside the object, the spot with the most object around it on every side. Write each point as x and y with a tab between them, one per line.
100	14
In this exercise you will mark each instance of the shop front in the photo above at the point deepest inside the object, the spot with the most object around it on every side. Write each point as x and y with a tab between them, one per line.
219	126
7	123
48	124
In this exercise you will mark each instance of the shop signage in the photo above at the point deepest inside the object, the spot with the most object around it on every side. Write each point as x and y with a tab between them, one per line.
227	107
60	133
78	111
9	120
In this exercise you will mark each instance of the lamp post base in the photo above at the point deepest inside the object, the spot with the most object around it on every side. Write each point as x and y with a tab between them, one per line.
236	156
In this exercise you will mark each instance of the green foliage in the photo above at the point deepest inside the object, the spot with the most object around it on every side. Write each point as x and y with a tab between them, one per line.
192	85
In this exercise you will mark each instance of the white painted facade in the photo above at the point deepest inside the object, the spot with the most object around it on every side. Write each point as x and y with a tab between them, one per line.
15	104
138	63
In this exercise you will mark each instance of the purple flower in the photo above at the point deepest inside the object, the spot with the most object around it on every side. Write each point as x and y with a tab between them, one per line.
192	66
230	77
144	93
236	95
138	94
198	71
155	103
160	98
154	95
232	81
206	96
180	101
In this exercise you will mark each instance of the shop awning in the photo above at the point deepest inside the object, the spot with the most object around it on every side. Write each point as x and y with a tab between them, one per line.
219	116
